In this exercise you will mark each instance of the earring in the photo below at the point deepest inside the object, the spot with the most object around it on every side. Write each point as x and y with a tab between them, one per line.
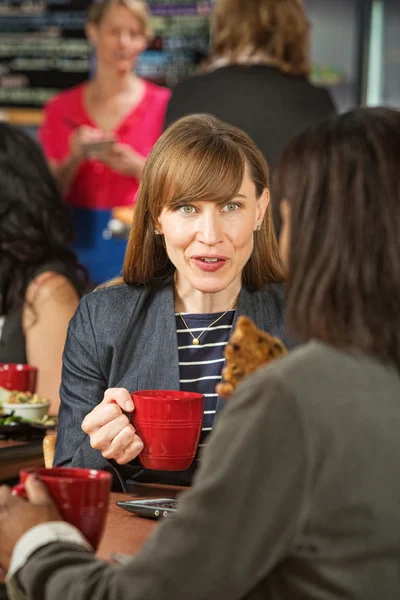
258	227
156	232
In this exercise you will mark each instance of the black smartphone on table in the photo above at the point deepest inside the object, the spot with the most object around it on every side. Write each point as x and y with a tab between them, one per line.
153	508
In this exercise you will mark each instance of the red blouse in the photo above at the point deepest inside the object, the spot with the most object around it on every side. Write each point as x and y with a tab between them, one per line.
96	186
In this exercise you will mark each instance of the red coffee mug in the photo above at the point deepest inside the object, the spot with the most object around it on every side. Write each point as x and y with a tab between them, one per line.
81	496
169	424
14	376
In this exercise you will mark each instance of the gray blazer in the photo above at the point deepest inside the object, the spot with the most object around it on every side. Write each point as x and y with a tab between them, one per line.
125	336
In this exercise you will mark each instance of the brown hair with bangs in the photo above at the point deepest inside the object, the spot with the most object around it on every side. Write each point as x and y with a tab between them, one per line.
98	9
341	179
197	158
278	28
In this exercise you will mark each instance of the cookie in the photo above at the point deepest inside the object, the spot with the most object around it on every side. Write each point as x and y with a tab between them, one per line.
248	349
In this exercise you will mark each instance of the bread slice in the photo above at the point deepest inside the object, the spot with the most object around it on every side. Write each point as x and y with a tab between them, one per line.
248	349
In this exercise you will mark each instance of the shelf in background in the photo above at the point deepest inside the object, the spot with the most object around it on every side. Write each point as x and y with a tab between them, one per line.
30	117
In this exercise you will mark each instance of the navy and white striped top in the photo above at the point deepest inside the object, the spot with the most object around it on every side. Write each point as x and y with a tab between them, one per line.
200	366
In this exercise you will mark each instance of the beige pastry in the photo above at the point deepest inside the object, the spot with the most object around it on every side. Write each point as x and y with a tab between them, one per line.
249	348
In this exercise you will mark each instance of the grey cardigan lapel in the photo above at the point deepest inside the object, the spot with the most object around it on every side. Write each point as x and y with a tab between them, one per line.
159	369
252	305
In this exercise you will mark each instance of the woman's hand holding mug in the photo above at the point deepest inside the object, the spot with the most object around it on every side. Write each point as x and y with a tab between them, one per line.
109	428
23	515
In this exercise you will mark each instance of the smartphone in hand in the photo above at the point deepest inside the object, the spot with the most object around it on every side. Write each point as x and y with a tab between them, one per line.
93	148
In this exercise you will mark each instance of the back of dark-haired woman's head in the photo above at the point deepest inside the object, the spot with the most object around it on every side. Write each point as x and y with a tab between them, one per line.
341	179
35	225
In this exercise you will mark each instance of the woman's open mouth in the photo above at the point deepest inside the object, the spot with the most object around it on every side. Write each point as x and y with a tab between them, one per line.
209	263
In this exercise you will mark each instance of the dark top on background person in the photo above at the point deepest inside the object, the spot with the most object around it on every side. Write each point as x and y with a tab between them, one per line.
13	340
202	244
40	278
298	493
257	74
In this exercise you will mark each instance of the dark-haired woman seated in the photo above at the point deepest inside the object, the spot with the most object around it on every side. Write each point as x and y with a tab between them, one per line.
298	492
40	279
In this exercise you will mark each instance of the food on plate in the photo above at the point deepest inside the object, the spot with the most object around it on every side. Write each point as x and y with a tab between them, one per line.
17	397
248	349
47	421
12	420
9	420
27	405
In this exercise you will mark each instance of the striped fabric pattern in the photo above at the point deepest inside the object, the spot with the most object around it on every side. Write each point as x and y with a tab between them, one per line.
200	366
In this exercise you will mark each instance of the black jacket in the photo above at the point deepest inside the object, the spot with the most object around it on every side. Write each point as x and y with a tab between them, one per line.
267	104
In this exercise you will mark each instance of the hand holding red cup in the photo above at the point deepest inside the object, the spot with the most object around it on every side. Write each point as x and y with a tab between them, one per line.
80	495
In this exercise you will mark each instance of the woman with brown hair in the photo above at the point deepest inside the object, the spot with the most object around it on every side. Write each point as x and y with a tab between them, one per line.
257	74
201	252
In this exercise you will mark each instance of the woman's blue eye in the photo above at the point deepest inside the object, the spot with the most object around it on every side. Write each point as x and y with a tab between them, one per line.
187	210
230	207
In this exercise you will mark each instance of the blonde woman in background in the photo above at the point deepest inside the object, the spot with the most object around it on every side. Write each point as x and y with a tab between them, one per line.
115	106
257	74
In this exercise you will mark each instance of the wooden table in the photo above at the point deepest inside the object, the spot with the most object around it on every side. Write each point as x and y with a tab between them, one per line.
126	532
15	455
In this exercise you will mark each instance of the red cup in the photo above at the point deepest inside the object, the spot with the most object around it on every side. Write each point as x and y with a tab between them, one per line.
18	377
169	424
81	496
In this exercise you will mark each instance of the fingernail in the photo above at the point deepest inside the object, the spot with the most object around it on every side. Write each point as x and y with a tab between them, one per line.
32	480
129	405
